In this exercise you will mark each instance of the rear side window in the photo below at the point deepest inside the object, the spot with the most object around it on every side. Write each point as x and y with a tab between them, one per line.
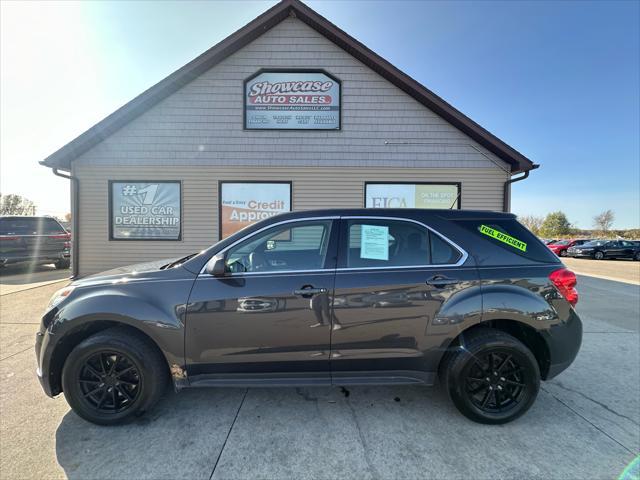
30	226
512	237
395	243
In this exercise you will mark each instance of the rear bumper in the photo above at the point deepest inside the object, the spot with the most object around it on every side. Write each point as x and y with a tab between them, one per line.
8	258
564	341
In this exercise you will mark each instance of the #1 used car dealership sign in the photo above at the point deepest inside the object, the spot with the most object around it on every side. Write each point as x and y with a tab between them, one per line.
306	100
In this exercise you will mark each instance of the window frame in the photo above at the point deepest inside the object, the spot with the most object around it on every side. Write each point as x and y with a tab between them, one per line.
331	248
344	239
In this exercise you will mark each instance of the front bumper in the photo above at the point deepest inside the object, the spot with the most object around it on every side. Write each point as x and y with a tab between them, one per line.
43	357
564	341
579	254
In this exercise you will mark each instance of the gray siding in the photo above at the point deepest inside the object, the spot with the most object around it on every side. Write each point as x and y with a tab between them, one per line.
196	136
313	187
201	124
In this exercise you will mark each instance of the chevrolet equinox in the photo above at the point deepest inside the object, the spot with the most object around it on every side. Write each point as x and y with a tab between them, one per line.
330	297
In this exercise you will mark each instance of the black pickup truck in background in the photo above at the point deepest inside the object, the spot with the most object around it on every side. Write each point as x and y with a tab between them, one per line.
35	240
601	249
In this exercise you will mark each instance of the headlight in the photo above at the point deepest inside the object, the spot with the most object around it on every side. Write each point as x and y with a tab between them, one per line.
59	296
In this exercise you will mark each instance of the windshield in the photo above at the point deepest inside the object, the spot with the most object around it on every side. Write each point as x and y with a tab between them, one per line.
562	242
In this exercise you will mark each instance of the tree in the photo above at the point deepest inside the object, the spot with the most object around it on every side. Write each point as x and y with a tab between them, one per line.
555	224
532	222
604	221
13	204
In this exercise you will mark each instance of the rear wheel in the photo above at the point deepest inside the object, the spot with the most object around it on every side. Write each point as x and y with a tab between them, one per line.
62	264
113	376
563	253
636	257
493	379
598	255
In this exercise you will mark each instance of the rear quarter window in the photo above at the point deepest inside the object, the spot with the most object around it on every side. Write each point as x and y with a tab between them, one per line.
510	236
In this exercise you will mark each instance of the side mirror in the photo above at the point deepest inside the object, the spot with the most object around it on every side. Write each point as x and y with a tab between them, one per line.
216	266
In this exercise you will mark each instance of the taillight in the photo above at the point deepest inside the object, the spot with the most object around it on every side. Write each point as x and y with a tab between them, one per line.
565	281
5	237
64	236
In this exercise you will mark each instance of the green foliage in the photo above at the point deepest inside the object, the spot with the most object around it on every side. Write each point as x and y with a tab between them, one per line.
13	204
556	224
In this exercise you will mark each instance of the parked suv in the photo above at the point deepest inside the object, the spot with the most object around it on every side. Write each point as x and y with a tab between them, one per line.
331	297
601	249
560	247
37	240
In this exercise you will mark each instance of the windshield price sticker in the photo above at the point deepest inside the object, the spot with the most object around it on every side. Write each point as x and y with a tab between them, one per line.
503	237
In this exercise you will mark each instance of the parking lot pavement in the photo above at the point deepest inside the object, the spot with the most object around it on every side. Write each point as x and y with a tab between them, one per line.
621	270
584	424
14	278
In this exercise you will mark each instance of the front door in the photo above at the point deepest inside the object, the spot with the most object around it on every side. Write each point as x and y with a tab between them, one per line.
269	317
392	280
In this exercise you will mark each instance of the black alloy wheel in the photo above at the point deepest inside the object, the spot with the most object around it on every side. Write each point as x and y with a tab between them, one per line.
495	382
109	381
114	376
598	255
636	257
490	376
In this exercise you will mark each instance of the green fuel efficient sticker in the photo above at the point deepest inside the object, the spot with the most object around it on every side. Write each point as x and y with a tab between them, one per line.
503	237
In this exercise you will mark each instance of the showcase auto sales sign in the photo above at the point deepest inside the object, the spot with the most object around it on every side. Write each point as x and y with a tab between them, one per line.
292	100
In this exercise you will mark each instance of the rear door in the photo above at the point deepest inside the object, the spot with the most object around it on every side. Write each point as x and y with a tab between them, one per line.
393	280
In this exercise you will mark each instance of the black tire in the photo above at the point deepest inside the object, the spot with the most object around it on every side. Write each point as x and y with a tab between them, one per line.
598	255
62	264
563	253
139	378
519	377
636	257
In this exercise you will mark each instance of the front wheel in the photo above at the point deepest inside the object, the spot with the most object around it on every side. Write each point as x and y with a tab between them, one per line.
636	257
493	378
113	376
598	255
563	253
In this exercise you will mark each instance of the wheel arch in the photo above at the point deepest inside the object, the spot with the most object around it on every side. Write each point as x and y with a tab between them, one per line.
73	337
528	335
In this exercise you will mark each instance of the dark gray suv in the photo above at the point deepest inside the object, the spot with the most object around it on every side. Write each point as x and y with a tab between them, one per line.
332	297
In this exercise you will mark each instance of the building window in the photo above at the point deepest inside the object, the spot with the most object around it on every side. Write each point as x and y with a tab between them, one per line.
145	210
412	195
244	203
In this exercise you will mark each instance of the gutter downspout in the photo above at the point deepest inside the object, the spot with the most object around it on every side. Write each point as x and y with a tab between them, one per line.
75	220
506	204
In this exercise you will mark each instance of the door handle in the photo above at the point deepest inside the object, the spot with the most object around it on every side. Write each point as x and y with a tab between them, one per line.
440	281
309	291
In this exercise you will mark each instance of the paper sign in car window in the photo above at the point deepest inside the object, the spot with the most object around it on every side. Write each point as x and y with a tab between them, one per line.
503	237
374	242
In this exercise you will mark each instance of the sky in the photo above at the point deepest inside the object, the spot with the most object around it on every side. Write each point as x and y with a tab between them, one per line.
559	81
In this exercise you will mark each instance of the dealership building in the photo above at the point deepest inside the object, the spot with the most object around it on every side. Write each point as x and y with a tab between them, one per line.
288	113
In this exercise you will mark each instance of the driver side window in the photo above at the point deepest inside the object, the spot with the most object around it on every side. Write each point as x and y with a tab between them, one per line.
293	246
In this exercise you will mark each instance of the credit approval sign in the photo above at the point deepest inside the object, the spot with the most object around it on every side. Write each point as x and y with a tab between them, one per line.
242	204
292	100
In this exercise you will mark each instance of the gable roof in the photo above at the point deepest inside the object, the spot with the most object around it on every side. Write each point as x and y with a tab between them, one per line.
62	158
